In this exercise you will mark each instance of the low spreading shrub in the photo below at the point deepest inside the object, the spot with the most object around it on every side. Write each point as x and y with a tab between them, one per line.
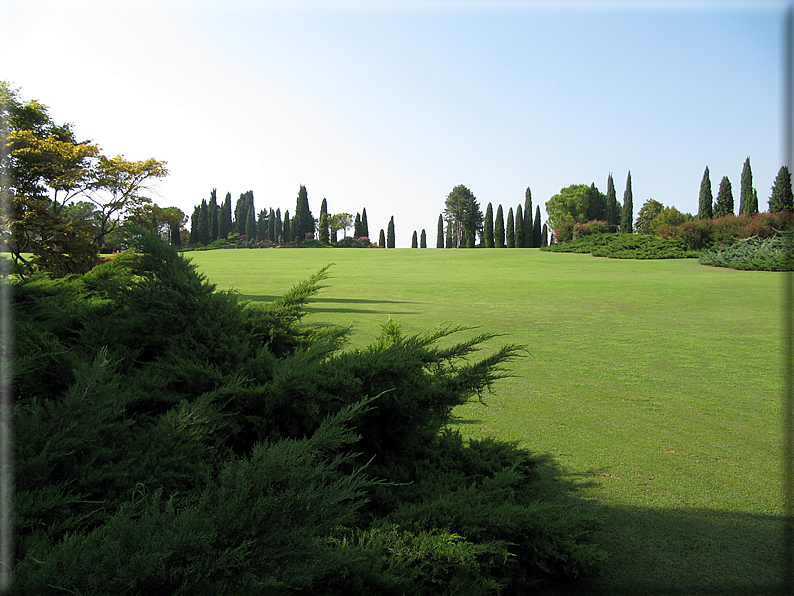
755	253
626	246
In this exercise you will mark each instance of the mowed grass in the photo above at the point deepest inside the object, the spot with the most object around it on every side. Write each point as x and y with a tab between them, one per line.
655	385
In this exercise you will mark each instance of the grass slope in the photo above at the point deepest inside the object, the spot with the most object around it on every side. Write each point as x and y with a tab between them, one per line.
655	384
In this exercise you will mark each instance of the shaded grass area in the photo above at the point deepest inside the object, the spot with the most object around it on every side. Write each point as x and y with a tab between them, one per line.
654	385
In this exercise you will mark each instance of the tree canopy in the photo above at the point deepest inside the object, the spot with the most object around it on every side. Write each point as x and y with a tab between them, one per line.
463	211
569	206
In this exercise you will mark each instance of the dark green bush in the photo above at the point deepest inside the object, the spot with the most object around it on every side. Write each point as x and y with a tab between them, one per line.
756	254
626	246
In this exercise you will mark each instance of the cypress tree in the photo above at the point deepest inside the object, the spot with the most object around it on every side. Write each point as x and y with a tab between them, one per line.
510	231
488	229
323	234
245	201
213	215
450	235
537	234
279	227
390	234
381	238
302	224
423	240
544	241
499	228
706	198
364	223
262	226
225	217
440	236
528	224
627	214
596	211
724	204
414	241
754	204
194	226
746	194
287	228
357	227
781	199
611	211
519	241
204	224
271	227
250	226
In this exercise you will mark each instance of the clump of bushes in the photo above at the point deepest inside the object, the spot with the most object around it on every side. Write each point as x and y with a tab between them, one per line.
754	253
173	439
626	246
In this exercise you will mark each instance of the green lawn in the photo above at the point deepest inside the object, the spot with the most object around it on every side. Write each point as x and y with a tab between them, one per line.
655	385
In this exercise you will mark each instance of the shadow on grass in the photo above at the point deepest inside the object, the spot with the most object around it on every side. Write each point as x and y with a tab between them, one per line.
310	308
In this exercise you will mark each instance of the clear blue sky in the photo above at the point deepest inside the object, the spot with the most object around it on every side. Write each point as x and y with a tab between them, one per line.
389	105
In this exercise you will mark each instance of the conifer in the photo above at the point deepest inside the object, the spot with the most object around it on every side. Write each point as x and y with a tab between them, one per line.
423	240
627	214
510	230
390	234
528	223
382	238
746	195
414	241
706	197
781	199
724	204
519	241
488	229
499	228
286	230
440	234
537	234
364	223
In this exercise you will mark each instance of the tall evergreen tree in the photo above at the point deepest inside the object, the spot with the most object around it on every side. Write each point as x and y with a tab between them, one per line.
754	204
528	223
194	226
414	241
462	208
706	197
597	209
519	240
302	224
612	213
440	235
488	227
390	234
724	204
381	238
250	226
225	217
364	223
286	230
510	230
423	240
544	240
323	234
537	234
279	237
627	214
357	227
450	237
204	224
214	212
262	226
271	227
746	194
781	199
499	228
245	201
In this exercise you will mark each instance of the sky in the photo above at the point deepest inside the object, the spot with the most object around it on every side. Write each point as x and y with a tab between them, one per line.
388	105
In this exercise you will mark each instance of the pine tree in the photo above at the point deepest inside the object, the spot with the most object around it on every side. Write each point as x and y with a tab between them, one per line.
499	228
612	213
271	227
286	230
537	234
510	230
414	241
204	224
781	199
214	211
423	240
440	236
382	238
746	195
706	197
627	214
390	234
488	229
519	241
528	223
544	241
250	226
225	217
724	204
364	223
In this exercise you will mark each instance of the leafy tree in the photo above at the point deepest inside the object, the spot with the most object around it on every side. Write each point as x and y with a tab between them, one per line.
724	204
440	233
519	239
706	197
382	238
537	234
463	210
286	230
414	241
510	231
627	214
612	211
302	224
488	238
499	228
781	199
390	234
597	210
341	221
529	226
225	217
648	213
747	197
323	234
204	224
423	240
364	223
214	211
569	206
